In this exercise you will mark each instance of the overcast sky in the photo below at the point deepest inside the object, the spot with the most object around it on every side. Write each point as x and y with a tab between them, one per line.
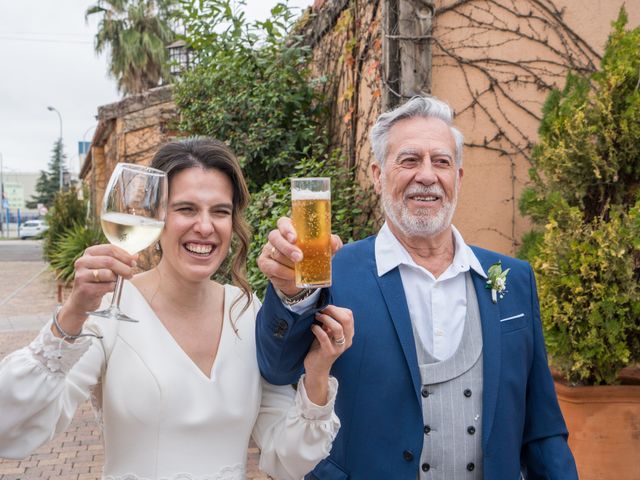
47	59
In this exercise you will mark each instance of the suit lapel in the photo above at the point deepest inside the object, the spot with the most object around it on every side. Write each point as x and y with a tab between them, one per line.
391	287
490	318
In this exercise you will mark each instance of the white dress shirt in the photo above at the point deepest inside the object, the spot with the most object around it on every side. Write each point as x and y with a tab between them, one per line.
437	306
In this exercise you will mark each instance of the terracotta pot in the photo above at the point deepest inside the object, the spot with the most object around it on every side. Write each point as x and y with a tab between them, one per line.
604	430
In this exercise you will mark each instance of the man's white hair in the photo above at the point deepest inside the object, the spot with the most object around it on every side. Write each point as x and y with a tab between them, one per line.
425	107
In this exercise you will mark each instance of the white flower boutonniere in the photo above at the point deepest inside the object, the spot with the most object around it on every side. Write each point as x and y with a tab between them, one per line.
497	281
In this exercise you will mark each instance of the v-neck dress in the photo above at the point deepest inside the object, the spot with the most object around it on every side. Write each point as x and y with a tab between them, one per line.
162	417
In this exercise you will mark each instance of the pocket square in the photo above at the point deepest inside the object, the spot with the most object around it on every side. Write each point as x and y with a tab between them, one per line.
512	318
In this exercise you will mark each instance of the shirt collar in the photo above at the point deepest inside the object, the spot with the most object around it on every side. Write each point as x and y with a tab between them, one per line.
390	253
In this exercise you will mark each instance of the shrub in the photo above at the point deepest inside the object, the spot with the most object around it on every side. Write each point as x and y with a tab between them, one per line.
589	293
584	201
70	246
68	210
251	88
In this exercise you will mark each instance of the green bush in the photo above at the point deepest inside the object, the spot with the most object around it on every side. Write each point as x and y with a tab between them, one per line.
68	210
589	293
251	88
584	203
70	246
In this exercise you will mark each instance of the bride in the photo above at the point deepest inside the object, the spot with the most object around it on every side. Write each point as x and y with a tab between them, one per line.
179	393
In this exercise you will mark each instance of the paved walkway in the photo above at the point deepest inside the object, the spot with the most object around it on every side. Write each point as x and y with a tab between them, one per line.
27	299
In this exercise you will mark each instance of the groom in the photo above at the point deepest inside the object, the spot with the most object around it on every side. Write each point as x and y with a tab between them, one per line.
446	378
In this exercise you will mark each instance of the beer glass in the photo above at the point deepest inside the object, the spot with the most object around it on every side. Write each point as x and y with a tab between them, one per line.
311	215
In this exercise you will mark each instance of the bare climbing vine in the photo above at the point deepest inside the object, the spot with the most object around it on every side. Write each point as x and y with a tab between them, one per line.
506	55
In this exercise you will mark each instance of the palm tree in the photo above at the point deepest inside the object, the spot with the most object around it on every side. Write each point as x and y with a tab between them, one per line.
136	32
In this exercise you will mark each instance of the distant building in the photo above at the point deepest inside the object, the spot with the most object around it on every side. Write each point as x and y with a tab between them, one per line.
83	149
19	187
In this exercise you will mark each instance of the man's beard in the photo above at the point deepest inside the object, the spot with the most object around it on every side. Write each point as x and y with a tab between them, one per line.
423	221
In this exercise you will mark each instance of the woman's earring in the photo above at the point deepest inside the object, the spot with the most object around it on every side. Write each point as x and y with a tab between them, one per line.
158	247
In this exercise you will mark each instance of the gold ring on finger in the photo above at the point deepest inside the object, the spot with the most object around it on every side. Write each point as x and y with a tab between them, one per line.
273	252
96	275
340	341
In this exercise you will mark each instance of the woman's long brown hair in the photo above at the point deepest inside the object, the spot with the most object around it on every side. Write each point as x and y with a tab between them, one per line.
211	154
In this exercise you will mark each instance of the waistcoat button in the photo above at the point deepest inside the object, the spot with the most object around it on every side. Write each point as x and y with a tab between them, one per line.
425	392
427	429
281	329
425	467
471	466
467	392
471	430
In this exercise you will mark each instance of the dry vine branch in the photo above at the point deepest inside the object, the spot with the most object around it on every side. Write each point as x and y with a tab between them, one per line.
491	45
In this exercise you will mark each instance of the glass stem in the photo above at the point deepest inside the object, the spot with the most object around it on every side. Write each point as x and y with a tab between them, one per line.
115	300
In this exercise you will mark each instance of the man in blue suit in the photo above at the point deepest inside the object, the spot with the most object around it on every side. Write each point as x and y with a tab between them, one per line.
447	377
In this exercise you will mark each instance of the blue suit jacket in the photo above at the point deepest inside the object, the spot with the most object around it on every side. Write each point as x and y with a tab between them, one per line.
379	401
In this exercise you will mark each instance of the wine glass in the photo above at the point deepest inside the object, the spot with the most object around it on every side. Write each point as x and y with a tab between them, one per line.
132	217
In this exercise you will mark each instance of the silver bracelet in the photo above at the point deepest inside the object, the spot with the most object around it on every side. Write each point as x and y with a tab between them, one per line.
297	298
64	334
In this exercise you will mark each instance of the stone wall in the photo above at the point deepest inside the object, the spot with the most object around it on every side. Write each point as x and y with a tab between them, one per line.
129	131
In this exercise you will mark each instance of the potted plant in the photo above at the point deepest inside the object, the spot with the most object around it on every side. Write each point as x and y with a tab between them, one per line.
584	202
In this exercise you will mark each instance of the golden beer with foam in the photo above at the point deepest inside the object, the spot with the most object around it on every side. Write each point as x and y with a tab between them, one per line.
311	215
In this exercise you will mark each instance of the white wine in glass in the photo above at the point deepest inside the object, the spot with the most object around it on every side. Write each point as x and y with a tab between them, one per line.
133	212
130	232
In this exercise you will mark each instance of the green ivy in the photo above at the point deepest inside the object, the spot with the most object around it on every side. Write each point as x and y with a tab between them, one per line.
584	203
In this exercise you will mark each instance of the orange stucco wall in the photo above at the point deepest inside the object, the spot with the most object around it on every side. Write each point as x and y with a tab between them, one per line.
487	212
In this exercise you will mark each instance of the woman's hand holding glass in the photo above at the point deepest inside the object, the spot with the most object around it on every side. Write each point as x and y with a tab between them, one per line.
96	272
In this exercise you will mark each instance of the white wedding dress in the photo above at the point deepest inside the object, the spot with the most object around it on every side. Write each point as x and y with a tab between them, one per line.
162	417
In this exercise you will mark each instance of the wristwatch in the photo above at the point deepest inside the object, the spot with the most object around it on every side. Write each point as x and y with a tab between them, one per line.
297	298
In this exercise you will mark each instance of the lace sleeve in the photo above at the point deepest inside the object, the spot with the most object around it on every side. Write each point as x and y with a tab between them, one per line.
41	386
294	434
55	354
